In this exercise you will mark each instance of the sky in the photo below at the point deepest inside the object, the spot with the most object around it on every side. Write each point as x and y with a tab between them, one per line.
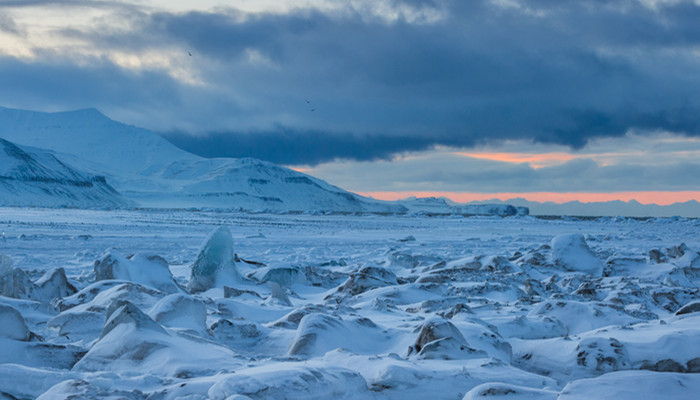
541	99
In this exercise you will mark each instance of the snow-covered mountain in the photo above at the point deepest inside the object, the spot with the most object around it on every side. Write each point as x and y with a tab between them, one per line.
614	208
33	177
440	206
148	169
114	147
254	185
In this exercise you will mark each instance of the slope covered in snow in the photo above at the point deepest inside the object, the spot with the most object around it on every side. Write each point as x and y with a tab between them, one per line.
33	177
250	184
151	171
114	147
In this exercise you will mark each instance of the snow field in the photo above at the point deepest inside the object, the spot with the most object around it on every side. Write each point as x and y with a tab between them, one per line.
176	304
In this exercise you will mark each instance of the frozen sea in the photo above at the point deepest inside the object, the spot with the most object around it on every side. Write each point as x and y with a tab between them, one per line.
346	306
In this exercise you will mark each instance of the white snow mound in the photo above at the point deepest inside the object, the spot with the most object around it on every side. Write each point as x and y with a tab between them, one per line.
180	310
507	391
572	253
286	381
634	385
145	269
13	325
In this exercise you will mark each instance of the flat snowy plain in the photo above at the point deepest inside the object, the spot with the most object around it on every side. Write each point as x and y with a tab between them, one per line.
346	306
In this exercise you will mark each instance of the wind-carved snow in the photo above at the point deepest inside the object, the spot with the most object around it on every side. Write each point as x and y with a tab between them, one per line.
181	311
573	254
13	325
319	333
196	305
15	283
146	269
440	339
498	390
278	295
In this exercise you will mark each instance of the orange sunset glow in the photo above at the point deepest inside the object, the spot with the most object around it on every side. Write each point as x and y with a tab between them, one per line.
660	198
540	160
535	160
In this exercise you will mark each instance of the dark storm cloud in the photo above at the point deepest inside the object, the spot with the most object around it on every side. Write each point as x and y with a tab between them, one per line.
292	147
65	86
63	3
559	72
575	71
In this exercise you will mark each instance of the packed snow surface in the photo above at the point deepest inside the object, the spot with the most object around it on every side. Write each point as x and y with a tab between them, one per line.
212	305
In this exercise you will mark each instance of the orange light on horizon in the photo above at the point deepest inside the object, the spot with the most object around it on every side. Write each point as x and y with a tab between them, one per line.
541	160
301	169
644	197
535	160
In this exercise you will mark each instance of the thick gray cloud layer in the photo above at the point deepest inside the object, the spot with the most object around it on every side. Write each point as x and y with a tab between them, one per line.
291	147
548	71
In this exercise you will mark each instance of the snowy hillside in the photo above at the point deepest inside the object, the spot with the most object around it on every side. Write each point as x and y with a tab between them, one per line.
32	177
252	185
146	168
112	146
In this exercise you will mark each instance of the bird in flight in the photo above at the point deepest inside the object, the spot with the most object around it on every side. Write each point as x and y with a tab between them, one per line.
313	109
307	102
190	54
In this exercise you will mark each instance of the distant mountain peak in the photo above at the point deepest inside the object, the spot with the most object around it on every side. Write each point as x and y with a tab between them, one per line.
91	136
147	168
89	112
79	117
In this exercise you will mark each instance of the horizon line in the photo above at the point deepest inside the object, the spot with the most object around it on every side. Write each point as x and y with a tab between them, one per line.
660	198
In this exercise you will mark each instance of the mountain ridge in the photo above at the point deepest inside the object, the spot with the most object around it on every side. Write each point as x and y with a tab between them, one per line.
151	171
35	177
613	208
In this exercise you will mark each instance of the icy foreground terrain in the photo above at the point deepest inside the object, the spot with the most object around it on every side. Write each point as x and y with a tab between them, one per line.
195	305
